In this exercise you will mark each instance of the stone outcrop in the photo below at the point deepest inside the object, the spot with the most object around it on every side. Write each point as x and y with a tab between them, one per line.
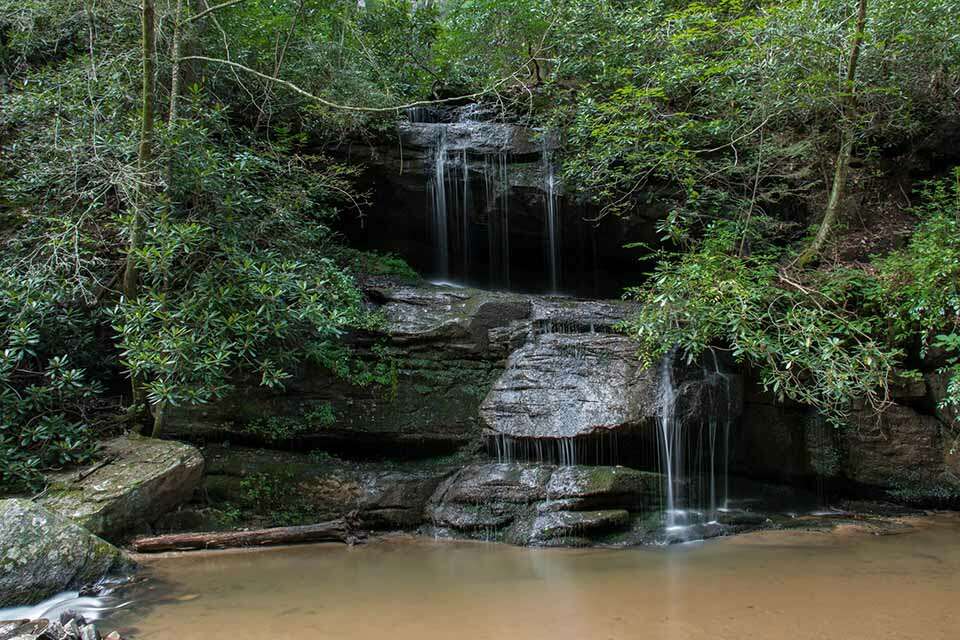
440	344
447	346
564	386
541	504
136	481
281	488
43	553
577	382
901	452
900	449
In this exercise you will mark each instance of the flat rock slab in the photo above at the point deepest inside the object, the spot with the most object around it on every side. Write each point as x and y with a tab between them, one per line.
138	480
43	553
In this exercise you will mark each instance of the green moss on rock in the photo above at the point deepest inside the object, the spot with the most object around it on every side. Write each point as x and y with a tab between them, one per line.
42	553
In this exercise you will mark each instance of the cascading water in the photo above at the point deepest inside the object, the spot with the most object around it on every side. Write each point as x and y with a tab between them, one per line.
438	192
552	221
497	198
465	214
670	431
454	209
694	447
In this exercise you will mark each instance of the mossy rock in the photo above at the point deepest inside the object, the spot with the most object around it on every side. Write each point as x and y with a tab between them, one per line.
42	554
138	480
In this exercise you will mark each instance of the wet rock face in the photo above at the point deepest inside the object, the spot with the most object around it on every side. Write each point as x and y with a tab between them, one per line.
476	137
531	504
42	553
459	318
138	480
448	346
571	385
901	452
563	386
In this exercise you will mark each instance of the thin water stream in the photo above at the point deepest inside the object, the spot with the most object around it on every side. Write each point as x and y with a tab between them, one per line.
770	586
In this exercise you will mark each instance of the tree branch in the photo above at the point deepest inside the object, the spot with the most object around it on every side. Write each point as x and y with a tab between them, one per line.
347	107
216	7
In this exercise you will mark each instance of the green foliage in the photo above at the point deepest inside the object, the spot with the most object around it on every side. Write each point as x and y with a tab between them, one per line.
44	399
372	263
806	342
822	338
278	497
274	429
239	267
921	282
240	271
727	108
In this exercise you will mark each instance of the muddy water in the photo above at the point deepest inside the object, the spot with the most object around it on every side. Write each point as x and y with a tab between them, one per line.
769	586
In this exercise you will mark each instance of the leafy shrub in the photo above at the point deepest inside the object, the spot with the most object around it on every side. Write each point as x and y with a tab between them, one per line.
806	341
240	270
44	399
921	282
372	263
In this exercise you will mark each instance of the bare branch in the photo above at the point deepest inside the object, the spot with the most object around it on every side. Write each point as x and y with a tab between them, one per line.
216	7
346	107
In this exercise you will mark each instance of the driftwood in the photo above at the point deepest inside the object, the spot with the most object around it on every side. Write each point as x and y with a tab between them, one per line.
332	531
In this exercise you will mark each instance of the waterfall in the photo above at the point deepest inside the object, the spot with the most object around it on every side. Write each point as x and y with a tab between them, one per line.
599	449
669	434
465	215
438	191
552	223
694	454
496	180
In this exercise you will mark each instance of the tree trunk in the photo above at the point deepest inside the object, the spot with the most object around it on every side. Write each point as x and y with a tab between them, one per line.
175	63
131	276
159	419
847	132
332	531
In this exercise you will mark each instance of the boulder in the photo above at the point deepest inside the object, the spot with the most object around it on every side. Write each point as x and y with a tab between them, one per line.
397	499
561	526
454	317
573	381
585	487
43	553
524	503
138	480
564	386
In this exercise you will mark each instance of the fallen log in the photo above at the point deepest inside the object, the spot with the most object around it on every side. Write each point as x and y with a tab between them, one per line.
332	531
